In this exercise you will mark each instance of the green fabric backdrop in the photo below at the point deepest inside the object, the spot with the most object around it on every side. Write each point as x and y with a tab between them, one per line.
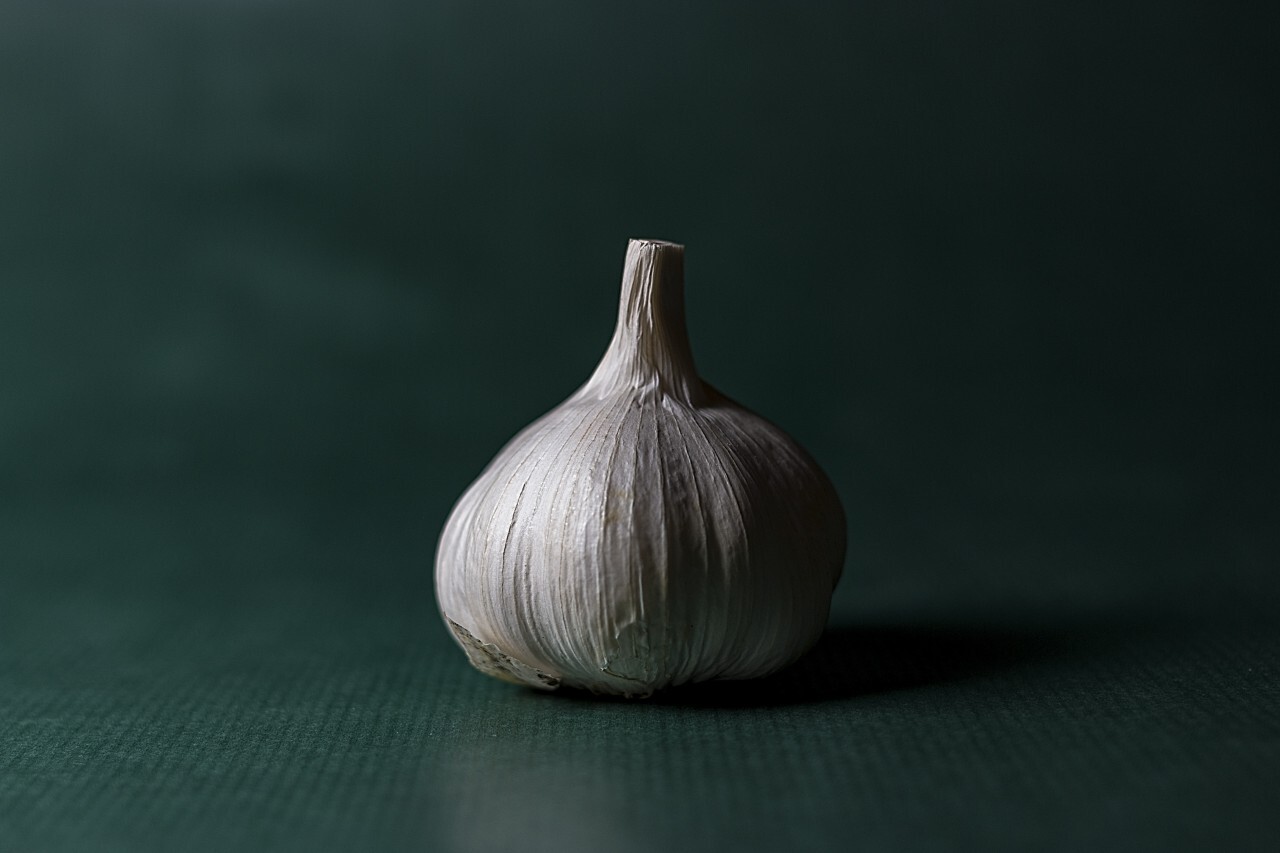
277	279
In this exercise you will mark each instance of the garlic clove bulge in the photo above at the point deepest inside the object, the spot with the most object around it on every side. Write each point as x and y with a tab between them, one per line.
649	531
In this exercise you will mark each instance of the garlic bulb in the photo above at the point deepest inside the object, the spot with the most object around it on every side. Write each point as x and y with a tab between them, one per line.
647	532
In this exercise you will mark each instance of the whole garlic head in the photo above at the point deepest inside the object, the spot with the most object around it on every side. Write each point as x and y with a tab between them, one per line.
647	532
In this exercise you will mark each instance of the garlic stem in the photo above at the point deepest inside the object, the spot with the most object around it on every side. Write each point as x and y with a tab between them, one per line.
650	346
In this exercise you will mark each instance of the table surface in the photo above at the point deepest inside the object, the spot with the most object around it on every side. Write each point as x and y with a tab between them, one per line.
276	280
295	690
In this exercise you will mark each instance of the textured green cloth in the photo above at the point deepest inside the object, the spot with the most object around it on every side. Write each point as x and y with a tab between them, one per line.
278	278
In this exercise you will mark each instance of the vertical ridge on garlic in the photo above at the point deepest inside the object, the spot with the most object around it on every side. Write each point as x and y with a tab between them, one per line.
647	532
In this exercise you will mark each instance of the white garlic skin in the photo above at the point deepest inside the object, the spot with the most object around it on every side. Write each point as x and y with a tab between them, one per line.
648	532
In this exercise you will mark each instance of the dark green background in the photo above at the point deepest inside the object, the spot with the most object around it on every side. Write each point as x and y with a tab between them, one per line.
278	278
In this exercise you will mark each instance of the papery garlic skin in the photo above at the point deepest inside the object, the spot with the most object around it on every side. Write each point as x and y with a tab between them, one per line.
647	532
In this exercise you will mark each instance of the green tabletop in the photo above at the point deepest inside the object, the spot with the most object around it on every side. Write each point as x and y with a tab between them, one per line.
278	278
